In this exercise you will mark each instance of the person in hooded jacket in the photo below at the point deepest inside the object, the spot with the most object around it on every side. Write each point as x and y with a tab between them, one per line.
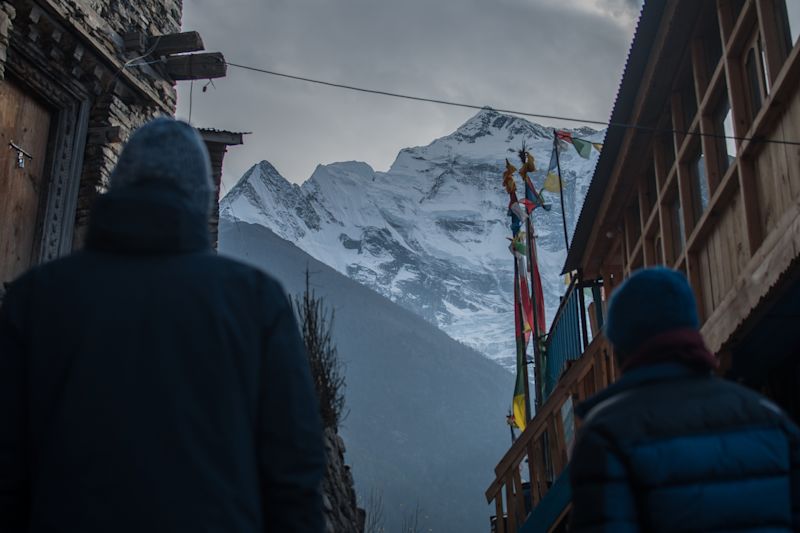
148	384
670	447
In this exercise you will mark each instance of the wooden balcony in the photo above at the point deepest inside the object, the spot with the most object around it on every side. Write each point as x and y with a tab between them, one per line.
542	450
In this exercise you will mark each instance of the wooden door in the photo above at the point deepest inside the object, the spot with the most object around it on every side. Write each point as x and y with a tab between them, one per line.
25	122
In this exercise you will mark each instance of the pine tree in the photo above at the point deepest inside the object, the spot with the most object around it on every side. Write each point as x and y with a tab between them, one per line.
316	326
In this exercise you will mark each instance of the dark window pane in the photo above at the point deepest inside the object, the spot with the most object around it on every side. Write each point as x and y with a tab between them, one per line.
689	102
753	83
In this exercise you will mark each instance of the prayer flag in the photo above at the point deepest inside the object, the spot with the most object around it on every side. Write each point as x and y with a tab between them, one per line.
583	147
565	136
518	403
551	182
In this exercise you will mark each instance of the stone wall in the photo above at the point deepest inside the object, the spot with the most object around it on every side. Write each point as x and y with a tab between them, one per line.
81	44
342	515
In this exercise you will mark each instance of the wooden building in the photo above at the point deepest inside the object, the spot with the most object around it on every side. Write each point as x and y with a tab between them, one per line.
76	77
707	183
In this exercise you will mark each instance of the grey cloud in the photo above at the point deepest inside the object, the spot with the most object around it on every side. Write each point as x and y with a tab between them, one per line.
530	55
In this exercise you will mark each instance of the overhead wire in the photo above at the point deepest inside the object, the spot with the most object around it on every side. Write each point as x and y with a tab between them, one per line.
451	103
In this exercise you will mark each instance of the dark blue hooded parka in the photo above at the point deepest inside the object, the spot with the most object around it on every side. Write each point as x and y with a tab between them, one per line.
670	447
149	385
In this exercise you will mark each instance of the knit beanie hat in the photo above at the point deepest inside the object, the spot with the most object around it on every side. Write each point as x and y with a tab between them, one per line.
652	301
166	150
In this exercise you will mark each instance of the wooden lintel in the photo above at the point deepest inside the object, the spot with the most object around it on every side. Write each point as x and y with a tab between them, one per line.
227	138
196	66
175	43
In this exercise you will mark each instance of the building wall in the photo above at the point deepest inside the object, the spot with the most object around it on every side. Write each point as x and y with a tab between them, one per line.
80	44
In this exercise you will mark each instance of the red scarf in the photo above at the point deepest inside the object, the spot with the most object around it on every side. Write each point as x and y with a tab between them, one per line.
677	345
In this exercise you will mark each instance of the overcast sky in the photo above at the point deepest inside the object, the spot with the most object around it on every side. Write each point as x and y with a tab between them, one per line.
562	57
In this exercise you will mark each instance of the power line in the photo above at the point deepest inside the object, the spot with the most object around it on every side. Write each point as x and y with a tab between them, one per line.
508	111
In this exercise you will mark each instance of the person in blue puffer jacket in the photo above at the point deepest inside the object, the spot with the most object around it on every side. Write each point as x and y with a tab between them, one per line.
669	446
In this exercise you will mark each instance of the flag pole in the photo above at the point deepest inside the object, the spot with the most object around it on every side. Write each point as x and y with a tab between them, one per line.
561	189
521	340
536	348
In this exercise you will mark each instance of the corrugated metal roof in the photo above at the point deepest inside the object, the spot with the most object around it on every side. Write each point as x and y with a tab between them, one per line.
638	54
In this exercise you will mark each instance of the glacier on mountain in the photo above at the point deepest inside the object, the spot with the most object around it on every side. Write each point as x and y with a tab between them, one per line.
431	232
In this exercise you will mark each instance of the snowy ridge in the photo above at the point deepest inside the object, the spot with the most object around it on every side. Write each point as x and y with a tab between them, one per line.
431	232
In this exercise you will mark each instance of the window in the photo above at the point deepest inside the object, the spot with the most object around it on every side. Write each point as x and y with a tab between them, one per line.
792	21
723	127
756	78
698	181
764	74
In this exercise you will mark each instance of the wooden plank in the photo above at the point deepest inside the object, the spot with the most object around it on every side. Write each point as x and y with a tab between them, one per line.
500	526
705	287
196	66
765	268
791	131
530	450
519	502
511	507
25	122
766	166
751	210
175	43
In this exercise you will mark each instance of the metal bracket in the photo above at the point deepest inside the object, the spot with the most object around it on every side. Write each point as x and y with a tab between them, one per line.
21	154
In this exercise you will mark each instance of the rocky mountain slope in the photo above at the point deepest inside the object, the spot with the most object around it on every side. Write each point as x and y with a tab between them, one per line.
430	233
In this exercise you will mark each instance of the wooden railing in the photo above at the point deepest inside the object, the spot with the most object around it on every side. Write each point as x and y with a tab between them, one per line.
547	440
569	335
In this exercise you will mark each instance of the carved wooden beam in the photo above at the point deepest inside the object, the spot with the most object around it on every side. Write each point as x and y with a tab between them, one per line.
196	66
175	43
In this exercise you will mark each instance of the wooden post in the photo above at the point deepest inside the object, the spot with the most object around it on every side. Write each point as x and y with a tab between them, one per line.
511	507
582	302
500	525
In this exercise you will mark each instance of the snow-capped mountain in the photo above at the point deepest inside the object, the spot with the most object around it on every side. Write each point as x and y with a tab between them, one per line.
431	232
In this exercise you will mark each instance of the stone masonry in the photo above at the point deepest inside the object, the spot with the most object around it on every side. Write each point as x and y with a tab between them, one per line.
342	515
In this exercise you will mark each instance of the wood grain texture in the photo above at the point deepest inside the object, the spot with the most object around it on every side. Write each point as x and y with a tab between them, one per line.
26	122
